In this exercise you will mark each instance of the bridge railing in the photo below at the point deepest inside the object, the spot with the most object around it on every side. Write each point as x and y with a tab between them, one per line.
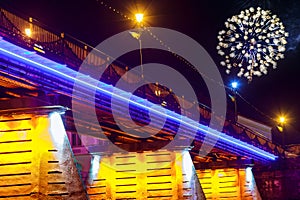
58	47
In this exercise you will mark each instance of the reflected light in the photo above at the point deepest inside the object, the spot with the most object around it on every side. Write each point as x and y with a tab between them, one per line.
94	168
187	167
250	178
57	129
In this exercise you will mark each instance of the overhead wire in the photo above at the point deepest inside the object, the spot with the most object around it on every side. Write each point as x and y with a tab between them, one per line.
117	11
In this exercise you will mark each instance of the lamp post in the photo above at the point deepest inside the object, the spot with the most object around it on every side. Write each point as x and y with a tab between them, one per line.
137	35
234	86
282	121
28	31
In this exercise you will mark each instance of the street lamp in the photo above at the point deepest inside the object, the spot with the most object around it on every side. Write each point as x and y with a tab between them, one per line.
137	35
281	119
234	86
28	32
139	17
281	123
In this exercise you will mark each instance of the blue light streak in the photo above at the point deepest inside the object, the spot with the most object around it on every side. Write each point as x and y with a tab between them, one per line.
6	48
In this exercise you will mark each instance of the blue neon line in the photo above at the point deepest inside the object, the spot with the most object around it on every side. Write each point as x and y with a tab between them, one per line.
95	87
178	117
263	153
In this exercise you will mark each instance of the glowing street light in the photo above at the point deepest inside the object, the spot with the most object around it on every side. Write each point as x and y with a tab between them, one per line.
137	35
281	120
28	32
139	17
281	125
234	85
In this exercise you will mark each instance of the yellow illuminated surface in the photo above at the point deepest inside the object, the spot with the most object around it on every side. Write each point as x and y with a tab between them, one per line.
35	162
154	175
232	184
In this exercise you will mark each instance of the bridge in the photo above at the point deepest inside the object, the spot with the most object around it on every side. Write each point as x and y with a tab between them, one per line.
42	156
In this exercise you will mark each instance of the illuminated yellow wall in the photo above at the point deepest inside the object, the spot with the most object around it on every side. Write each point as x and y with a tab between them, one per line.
148	175
35	159
36	162
229	184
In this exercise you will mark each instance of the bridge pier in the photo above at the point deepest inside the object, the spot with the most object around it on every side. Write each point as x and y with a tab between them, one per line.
36	161
161	174
228	183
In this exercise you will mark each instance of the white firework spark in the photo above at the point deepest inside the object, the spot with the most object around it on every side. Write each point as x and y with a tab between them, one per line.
253	42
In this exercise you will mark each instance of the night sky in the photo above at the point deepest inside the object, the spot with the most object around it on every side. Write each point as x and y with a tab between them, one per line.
91	22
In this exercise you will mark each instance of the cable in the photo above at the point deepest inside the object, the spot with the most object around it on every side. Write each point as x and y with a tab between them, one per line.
256	109
161	42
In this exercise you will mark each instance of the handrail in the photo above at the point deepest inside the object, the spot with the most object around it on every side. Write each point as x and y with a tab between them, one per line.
61	48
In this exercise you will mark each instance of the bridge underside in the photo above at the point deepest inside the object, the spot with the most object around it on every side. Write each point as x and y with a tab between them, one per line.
37	162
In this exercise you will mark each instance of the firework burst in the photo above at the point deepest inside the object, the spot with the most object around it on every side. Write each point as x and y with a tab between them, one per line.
252	42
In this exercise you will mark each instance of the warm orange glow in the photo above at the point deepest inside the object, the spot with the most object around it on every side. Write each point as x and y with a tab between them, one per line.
157	92
28	32
139	17
280	128
282	120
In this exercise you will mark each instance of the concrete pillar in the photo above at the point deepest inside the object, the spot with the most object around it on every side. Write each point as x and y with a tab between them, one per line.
162	174
230	184
36	161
